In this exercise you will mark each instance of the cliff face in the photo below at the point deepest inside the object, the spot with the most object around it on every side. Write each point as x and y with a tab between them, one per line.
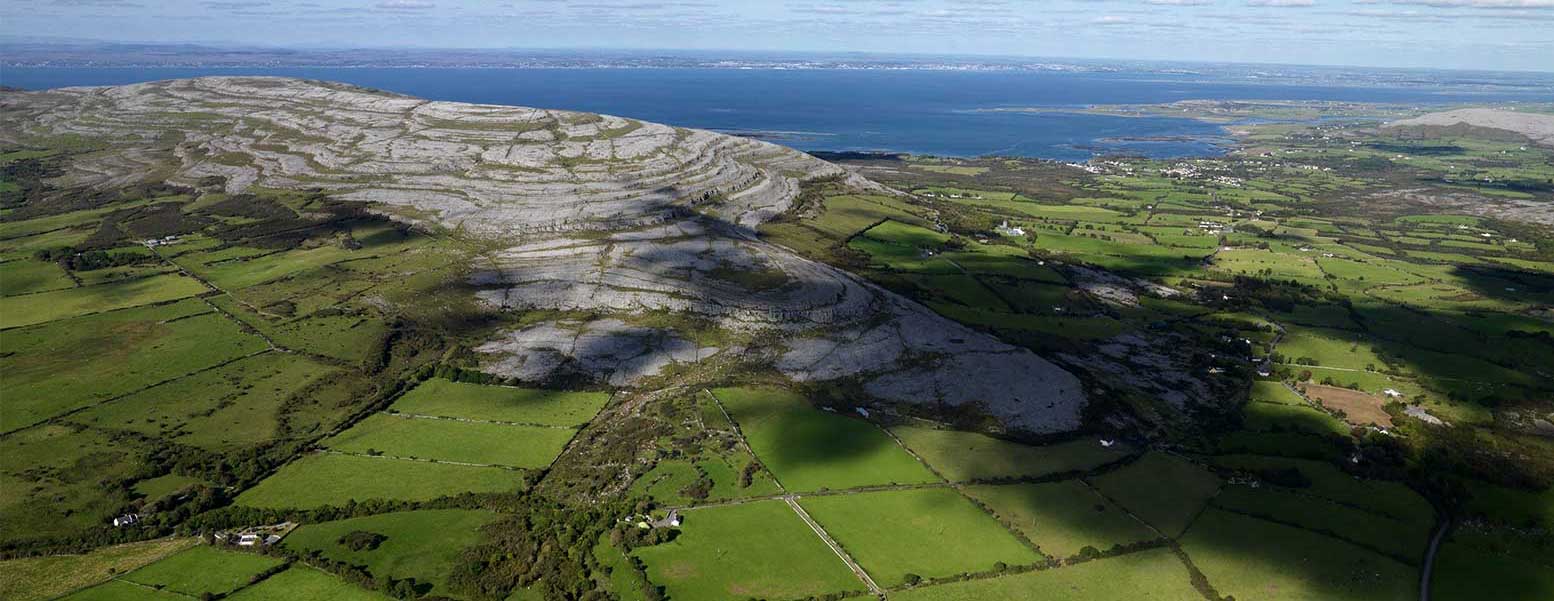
534	181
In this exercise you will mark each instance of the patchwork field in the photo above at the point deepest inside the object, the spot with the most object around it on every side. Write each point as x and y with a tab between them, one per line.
124	351
1255	559
39	578
927	532
1165	491
1061	518
808	449
760	549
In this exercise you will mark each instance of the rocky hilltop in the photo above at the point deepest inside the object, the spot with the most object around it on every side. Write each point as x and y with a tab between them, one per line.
593	213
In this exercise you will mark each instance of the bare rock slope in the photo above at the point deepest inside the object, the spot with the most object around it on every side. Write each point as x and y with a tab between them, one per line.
676	209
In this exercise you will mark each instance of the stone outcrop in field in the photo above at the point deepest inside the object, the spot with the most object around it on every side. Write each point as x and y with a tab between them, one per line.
600	215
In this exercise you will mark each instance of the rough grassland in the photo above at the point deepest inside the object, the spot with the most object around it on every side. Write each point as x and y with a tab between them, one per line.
301	583
203	569
759	549
70	364
930	532
326	479
1153	575
42	307
420	544
501	403
1061	517
1163	490
809	449
46	488
233	406
965	456
1255	559
38	578
450	440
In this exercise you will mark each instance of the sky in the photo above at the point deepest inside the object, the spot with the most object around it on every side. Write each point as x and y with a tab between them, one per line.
1453	34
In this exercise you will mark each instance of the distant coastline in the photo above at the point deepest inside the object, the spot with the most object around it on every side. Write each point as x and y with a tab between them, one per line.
1036	114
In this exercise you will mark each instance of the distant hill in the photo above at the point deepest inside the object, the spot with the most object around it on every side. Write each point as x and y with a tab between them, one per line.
1535	126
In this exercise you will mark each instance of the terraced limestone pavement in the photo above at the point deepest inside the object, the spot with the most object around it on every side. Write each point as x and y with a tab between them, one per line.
598	214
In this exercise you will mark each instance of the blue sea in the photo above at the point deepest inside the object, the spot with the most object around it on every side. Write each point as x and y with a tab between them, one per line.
923	112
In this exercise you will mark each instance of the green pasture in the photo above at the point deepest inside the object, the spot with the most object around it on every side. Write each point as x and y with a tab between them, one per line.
453	440
930	532
808	449
331	479
1401	540
203	569
760	549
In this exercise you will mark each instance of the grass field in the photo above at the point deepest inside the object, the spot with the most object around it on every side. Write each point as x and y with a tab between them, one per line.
419	544
66	365
203	569
446	398
1153	575
930	532
451	440
39	578
760	550
302	583
808	449
329	479
1061	517
1473	566
16	311
1165	491
968	456
1255	559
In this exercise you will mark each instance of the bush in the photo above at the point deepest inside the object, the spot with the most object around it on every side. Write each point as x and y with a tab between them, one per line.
361	540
